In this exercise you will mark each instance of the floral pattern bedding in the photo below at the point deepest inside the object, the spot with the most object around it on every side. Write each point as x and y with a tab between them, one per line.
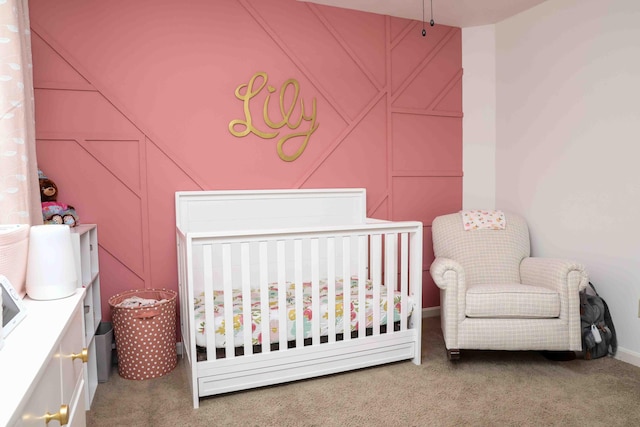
256	320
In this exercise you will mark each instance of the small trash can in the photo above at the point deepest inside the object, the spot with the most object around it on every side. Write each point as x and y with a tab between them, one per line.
104	349
145	334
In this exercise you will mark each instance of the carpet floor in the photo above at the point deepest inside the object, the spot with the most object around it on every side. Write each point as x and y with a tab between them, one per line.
483	388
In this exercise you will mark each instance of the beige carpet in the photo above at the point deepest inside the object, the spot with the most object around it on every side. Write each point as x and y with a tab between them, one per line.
482	389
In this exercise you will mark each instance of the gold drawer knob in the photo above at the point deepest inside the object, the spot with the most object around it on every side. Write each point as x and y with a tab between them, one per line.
62	416
83	355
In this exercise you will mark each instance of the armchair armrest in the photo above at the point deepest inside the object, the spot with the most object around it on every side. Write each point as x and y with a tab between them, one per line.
553	273
449	277
565	277
447	273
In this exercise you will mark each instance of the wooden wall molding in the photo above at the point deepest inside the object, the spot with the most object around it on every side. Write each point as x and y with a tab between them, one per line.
370	111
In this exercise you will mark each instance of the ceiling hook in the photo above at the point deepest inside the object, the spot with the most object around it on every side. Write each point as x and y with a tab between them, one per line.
432	22
424	32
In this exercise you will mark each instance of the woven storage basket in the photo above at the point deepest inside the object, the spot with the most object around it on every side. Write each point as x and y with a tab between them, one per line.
145	336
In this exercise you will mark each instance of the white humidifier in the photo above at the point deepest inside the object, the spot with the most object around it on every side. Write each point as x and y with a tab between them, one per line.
51	270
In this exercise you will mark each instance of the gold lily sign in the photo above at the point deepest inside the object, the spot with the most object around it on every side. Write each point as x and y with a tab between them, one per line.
270	128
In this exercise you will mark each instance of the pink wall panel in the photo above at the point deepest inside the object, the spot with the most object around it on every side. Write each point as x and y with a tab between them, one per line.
166	177
53	68
440	66
365	42
411	50
433	150
99	197
452	100
425	197
358	160
79	112
312	45
134	99
116	275
122	158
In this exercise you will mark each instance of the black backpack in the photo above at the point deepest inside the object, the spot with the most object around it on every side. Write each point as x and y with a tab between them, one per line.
598	333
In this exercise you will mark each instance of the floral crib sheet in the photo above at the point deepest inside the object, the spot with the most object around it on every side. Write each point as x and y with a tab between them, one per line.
256	314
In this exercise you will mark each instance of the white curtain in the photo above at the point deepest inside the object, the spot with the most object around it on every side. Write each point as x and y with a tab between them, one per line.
19	188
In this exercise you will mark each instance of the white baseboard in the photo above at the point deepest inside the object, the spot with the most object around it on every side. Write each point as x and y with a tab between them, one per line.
628	356
431	312
179	348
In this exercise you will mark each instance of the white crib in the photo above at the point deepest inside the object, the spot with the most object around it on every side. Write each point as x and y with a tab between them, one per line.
323	276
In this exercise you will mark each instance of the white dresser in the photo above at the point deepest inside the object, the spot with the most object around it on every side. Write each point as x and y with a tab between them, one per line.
42	365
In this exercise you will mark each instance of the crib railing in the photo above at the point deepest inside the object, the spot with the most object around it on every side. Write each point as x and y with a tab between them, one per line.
376	257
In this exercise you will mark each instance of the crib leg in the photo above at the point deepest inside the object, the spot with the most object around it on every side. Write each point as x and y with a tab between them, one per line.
453	354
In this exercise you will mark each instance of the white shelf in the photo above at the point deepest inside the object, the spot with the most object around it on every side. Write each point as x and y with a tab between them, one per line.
85	246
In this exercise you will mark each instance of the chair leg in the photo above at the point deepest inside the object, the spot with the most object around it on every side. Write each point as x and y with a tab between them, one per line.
453	354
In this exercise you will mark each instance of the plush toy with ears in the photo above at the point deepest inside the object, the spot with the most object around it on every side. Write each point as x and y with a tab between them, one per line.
54	212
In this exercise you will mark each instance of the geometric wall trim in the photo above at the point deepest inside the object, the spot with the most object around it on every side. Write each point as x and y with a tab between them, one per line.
134	99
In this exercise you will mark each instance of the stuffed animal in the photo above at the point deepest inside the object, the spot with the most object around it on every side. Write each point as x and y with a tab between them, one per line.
54	212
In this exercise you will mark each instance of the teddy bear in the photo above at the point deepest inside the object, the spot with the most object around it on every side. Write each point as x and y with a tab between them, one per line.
54	212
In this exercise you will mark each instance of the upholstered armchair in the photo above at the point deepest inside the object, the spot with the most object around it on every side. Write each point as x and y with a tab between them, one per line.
495	296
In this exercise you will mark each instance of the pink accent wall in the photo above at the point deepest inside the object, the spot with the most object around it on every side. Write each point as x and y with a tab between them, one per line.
134	99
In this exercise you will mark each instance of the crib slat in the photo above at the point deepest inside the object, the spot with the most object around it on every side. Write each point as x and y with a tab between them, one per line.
282	295
376	278
299	310
184	298
391	257
227	283
210	329
346	287
315	292
415	287
404	279
362	283
245	262
331	287
265	323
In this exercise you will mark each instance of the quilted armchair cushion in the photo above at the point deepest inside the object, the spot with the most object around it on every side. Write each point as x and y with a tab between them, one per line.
511	300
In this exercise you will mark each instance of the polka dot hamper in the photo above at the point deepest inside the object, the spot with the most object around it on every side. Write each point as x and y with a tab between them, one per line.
144	325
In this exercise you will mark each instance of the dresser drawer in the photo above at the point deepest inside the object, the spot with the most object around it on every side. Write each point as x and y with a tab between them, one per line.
46	397
71	357
43	361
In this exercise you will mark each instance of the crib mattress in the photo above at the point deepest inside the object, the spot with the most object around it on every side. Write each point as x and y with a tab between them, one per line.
256	313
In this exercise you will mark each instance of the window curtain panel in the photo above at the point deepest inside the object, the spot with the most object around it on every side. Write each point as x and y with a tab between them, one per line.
19	188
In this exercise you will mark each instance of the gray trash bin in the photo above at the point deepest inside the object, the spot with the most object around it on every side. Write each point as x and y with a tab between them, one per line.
104	346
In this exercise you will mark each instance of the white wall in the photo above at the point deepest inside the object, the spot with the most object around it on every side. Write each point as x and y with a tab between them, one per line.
568	141
479	121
